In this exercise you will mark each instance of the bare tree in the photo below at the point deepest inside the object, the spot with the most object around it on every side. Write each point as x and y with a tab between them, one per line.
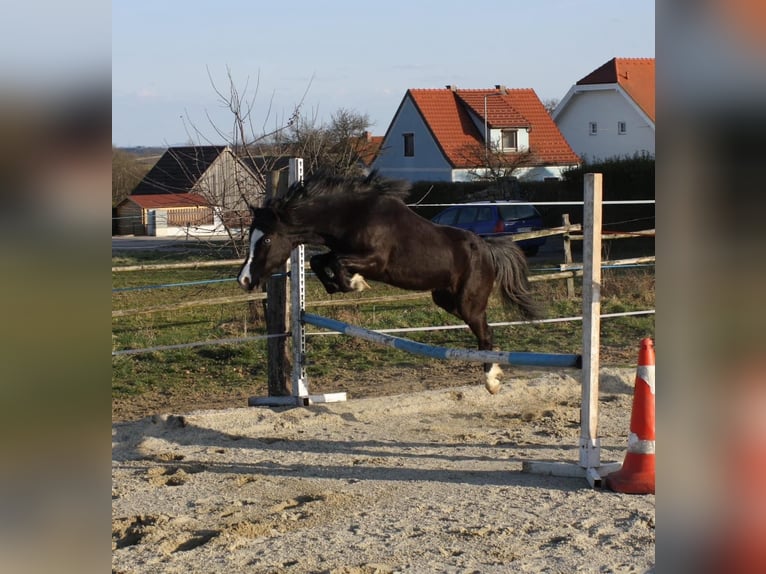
262	148
495	165
335	148
550	104
260	145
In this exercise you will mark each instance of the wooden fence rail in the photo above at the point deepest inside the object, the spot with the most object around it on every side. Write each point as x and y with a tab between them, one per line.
567	270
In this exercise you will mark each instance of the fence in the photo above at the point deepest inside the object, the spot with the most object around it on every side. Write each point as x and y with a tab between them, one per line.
590	268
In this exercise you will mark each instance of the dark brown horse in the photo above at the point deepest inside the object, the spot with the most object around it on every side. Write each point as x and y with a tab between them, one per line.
372	234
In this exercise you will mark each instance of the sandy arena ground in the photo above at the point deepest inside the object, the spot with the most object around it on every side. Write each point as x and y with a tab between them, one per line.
421	482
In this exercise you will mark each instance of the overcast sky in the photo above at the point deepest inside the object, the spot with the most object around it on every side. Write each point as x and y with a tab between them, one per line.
360	56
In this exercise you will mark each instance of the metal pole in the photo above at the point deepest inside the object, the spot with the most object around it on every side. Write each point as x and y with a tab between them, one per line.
298	301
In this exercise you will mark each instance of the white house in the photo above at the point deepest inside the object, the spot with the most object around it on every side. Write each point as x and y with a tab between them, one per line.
454	135
610	112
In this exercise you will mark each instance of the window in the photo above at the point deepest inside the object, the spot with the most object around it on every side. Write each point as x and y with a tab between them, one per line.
593	128
485	214
447	217
509	140
467	215
409	145
509	212
622	128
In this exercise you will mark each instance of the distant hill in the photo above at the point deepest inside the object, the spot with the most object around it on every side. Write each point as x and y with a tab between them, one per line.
144	151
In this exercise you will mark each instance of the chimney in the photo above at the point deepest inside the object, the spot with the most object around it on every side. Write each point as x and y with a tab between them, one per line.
451	87
501	88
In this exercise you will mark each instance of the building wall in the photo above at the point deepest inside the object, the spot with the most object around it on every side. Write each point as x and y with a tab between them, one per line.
228	184
537	173
166	223
606	107
428	163
129	220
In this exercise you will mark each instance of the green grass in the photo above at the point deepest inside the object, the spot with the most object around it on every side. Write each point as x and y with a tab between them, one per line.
229	367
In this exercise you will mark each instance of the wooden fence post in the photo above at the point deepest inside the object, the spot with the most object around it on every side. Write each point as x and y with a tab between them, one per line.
568	254
276	309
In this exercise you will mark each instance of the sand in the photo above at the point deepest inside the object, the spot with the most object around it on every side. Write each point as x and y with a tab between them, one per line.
428	481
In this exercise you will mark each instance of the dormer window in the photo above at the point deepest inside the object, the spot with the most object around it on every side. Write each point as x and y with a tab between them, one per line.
510	140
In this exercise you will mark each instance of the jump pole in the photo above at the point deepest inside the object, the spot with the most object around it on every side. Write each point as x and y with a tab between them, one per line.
550	360
590	466
300	395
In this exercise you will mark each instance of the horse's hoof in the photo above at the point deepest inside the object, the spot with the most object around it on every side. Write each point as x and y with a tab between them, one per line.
358	283
493	388
492	383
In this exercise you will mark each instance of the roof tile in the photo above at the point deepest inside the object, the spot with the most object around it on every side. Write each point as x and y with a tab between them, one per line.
635	75
446	112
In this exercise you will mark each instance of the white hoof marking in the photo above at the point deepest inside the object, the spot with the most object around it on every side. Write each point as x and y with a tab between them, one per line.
358	283
493	383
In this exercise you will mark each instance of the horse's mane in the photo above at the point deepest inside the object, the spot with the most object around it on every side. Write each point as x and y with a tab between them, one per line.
320	186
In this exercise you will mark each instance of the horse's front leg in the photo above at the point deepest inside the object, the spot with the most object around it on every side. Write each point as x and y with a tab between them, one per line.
361	264
349	270
334	275
324	267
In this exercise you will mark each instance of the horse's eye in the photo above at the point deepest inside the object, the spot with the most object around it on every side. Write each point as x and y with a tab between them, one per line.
266	240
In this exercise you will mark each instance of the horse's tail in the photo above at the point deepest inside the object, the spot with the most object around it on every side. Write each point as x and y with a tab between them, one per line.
511	275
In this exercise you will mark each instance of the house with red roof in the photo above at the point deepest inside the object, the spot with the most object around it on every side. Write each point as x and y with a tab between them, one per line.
164	214
610	112
454	135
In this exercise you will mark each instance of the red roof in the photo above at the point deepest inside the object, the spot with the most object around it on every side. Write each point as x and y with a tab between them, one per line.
446	112
169	200
368	147
634	75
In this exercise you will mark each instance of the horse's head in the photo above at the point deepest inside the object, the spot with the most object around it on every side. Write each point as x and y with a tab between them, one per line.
270	246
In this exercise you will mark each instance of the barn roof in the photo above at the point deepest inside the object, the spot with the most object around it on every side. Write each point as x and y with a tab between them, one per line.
178	170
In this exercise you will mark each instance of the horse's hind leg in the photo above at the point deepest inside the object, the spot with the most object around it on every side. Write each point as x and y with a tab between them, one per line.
472	307
483	332
475	316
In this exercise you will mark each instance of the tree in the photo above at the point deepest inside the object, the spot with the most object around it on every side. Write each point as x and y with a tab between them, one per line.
127	170
550	104
264	146
494	165
335	148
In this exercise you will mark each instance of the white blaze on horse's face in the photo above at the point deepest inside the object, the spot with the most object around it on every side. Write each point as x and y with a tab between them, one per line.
244	278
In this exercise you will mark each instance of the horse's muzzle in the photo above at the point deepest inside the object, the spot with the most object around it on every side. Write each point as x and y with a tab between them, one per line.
247	284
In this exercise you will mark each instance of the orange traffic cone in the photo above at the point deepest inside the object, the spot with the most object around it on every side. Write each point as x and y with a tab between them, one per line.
637	473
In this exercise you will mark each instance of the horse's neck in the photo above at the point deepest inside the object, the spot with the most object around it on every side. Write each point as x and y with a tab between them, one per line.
318	227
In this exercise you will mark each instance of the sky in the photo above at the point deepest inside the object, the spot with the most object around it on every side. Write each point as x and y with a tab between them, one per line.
169	58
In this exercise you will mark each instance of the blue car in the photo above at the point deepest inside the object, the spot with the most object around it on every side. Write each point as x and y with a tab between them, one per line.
487	218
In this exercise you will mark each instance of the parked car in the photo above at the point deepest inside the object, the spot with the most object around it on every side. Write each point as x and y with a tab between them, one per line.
487	218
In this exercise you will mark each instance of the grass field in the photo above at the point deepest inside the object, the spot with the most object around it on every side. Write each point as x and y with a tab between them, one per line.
234	366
